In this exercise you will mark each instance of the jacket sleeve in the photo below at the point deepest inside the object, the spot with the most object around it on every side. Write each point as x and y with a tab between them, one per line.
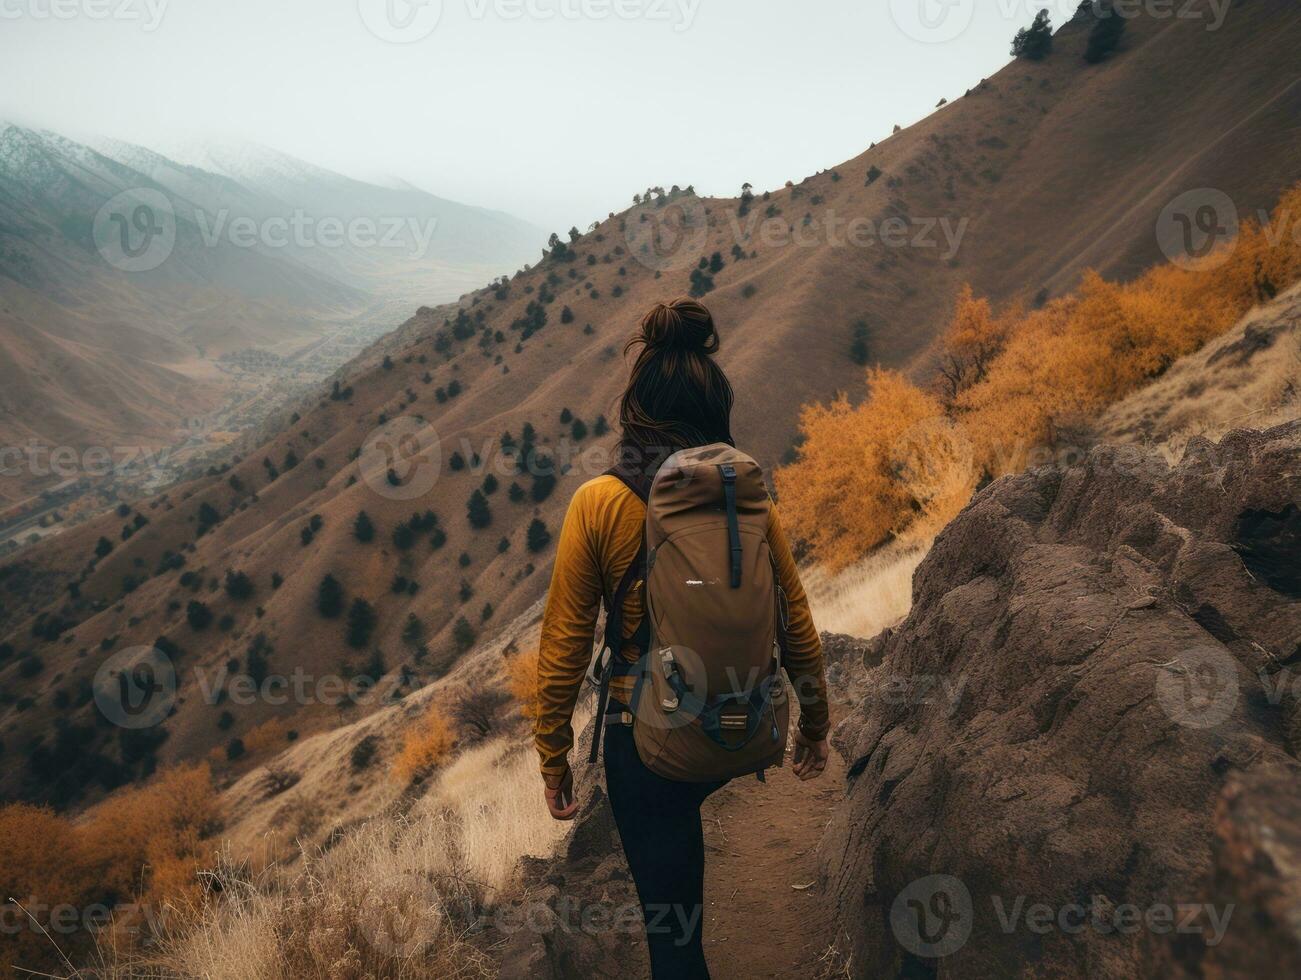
803	654
565	648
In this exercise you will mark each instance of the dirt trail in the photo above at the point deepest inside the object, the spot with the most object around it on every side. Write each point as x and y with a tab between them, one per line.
760	842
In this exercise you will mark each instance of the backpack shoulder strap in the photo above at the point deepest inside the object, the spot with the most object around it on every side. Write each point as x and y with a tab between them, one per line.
638	483
614	611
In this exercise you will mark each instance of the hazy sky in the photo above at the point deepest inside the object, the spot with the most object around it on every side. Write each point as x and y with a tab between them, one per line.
555	110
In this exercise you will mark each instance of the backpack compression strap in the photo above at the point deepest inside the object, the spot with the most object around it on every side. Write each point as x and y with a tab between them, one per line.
733	531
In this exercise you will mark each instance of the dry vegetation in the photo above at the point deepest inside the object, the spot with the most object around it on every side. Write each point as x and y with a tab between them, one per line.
136	855
1013	389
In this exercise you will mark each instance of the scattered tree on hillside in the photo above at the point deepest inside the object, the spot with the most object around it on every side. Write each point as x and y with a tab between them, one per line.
198	615
538	535
362	528
1035	43
1107	32
238	585
477	511
463	634
329	597
361	623
578	430
103	547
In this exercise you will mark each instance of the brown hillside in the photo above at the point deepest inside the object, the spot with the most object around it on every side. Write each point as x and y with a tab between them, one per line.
1058	165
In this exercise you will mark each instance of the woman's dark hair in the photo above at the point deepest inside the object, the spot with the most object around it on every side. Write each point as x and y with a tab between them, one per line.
677	396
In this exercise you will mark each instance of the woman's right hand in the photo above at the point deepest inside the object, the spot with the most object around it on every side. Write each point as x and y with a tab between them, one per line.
560	798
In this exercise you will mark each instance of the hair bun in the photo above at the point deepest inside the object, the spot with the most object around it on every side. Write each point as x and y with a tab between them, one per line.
684	325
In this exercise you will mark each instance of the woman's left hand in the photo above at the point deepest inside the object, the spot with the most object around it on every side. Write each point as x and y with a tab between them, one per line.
810	756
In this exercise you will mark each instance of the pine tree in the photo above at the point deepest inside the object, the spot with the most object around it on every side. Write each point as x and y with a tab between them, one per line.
362	529
361	622
479	514
538	536
329	597
1106	34
1035	42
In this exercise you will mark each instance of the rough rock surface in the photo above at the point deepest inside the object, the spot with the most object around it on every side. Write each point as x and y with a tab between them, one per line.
1074	756
580	916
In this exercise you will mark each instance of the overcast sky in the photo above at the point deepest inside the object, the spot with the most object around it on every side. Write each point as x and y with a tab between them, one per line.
554	110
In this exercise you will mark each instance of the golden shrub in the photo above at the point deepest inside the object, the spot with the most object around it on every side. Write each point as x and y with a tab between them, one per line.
426	744
1013	387
522	682
142	847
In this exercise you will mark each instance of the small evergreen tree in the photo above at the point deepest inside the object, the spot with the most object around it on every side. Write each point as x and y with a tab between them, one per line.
1035	43
238	585
477	511
361	623
362	528
538	536
1108	30
463	634
198	615
329	597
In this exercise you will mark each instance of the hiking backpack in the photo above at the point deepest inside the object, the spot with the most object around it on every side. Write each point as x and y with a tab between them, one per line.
709	702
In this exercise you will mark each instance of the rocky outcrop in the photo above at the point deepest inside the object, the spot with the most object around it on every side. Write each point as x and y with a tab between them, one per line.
1073	757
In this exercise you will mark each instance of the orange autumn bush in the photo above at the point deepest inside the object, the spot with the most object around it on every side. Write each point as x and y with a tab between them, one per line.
427	743
137	854
522	682
1011	388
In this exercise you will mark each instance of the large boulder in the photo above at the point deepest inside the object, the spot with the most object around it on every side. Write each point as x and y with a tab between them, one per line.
1077	755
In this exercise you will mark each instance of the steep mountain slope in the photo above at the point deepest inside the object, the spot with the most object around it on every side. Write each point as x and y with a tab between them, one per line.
121	265
788	288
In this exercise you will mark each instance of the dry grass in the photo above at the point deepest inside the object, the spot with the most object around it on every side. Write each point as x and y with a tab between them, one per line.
393	897
866	597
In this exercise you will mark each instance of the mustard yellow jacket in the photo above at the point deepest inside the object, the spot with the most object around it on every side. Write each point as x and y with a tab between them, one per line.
599	540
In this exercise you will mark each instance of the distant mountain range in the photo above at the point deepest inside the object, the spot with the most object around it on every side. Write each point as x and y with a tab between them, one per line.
126	276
